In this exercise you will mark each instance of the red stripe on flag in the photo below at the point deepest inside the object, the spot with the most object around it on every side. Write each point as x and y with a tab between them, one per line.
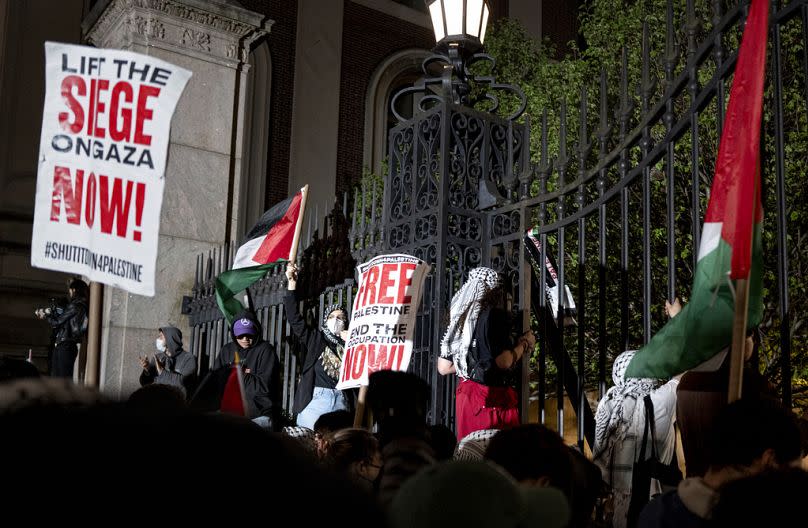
735	198
231	397
278	241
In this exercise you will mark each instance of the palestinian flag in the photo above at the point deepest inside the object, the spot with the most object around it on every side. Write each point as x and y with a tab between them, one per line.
269	241
234	398
731	238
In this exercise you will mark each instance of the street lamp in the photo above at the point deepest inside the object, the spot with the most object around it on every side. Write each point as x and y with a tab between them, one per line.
459	27
459	23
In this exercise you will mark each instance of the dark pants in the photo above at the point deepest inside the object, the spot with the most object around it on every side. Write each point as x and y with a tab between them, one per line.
64	357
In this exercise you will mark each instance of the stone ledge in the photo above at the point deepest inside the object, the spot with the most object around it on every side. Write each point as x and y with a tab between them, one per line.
214	31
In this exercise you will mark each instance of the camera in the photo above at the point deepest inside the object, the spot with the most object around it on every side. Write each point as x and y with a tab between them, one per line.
57	307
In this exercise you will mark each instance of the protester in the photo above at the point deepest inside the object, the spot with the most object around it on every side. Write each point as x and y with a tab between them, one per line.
260	367
398	402
702	393
330	423
463	494
355	453
69	325
748	437
172	365
478	347
620	422
322	354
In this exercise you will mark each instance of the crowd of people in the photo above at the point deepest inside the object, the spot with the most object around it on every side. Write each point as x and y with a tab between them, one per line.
220	435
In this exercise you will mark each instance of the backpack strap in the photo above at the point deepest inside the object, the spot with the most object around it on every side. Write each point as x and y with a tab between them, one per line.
650	422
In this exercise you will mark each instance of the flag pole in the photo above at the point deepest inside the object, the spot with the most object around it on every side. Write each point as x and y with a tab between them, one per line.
91	378
299	225
738	339
360	407
240	378
738	350
527	277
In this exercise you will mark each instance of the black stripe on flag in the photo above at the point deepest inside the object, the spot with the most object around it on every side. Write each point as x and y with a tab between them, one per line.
269	219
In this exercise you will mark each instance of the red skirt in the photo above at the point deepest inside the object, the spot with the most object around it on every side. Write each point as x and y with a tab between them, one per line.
480	407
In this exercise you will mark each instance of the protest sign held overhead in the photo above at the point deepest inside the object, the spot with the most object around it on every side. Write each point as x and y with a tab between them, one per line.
101	165
380	335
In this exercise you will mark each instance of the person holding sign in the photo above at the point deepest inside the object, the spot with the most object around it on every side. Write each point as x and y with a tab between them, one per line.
477	346
317	391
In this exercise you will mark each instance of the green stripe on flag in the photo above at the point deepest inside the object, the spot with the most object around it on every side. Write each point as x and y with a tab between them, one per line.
229	283
704	327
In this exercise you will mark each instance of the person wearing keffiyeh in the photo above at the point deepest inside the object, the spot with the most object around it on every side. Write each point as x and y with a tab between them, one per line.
324	348
477	346
619	424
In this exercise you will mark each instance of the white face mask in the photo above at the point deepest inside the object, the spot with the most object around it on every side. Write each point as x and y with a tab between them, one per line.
335	326
160	344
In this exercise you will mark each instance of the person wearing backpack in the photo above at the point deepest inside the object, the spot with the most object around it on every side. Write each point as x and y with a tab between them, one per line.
69	328
479	349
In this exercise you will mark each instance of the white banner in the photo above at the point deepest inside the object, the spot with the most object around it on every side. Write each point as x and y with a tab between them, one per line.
382	318
102	156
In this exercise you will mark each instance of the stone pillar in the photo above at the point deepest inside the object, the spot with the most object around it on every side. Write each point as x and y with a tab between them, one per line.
211	39
315	114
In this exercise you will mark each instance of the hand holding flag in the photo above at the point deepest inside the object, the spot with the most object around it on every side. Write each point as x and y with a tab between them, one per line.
731	238
273	238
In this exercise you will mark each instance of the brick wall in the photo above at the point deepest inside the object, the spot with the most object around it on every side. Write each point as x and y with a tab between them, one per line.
368	38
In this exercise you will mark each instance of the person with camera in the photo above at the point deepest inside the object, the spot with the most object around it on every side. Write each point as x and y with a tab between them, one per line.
69	326
478	347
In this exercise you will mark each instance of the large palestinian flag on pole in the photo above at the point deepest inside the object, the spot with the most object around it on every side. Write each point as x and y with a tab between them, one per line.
731	238
273	238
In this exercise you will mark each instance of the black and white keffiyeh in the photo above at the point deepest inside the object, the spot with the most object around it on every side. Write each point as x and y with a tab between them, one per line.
473	445
304	435
616	417
331	357
463	315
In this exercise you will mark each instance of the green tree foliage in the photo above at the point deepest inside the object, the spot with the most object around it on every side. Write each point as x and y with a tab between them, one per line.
608	27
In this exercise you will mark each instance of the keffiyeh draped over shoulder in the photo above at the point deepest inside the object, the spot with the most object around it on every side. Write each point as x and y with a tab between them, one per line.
463	315
614	419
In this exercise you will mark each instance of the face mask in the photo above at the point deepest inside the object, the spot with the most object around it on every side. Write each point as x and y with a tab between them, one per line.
335	326
160	344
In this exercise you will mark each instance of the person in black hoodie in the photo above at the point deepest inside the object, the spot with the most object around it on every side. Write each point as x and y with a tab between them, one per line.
261	368
69	326
324	348
172	365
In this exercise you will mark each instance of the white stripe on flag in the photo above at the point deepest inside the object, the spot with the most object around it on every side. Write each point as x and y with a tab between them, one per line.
710	236
246	252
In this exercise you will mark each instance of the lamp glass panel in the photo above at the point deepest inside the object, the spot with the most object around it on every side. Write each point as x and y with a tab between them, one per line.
437	19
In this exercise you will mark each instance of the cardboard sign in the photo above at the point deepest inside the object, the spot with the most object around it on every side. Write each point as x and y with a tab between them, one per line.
380	336
102	156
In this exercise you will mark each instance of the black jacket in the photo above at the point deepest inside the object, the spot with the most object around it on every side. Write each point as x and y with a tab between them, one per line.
74	313
179	366
262	384
313	343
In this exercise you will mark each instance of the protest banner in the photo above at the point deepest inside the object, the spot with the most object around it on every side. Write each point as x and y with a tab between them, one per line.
380	335
101	165
551	285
